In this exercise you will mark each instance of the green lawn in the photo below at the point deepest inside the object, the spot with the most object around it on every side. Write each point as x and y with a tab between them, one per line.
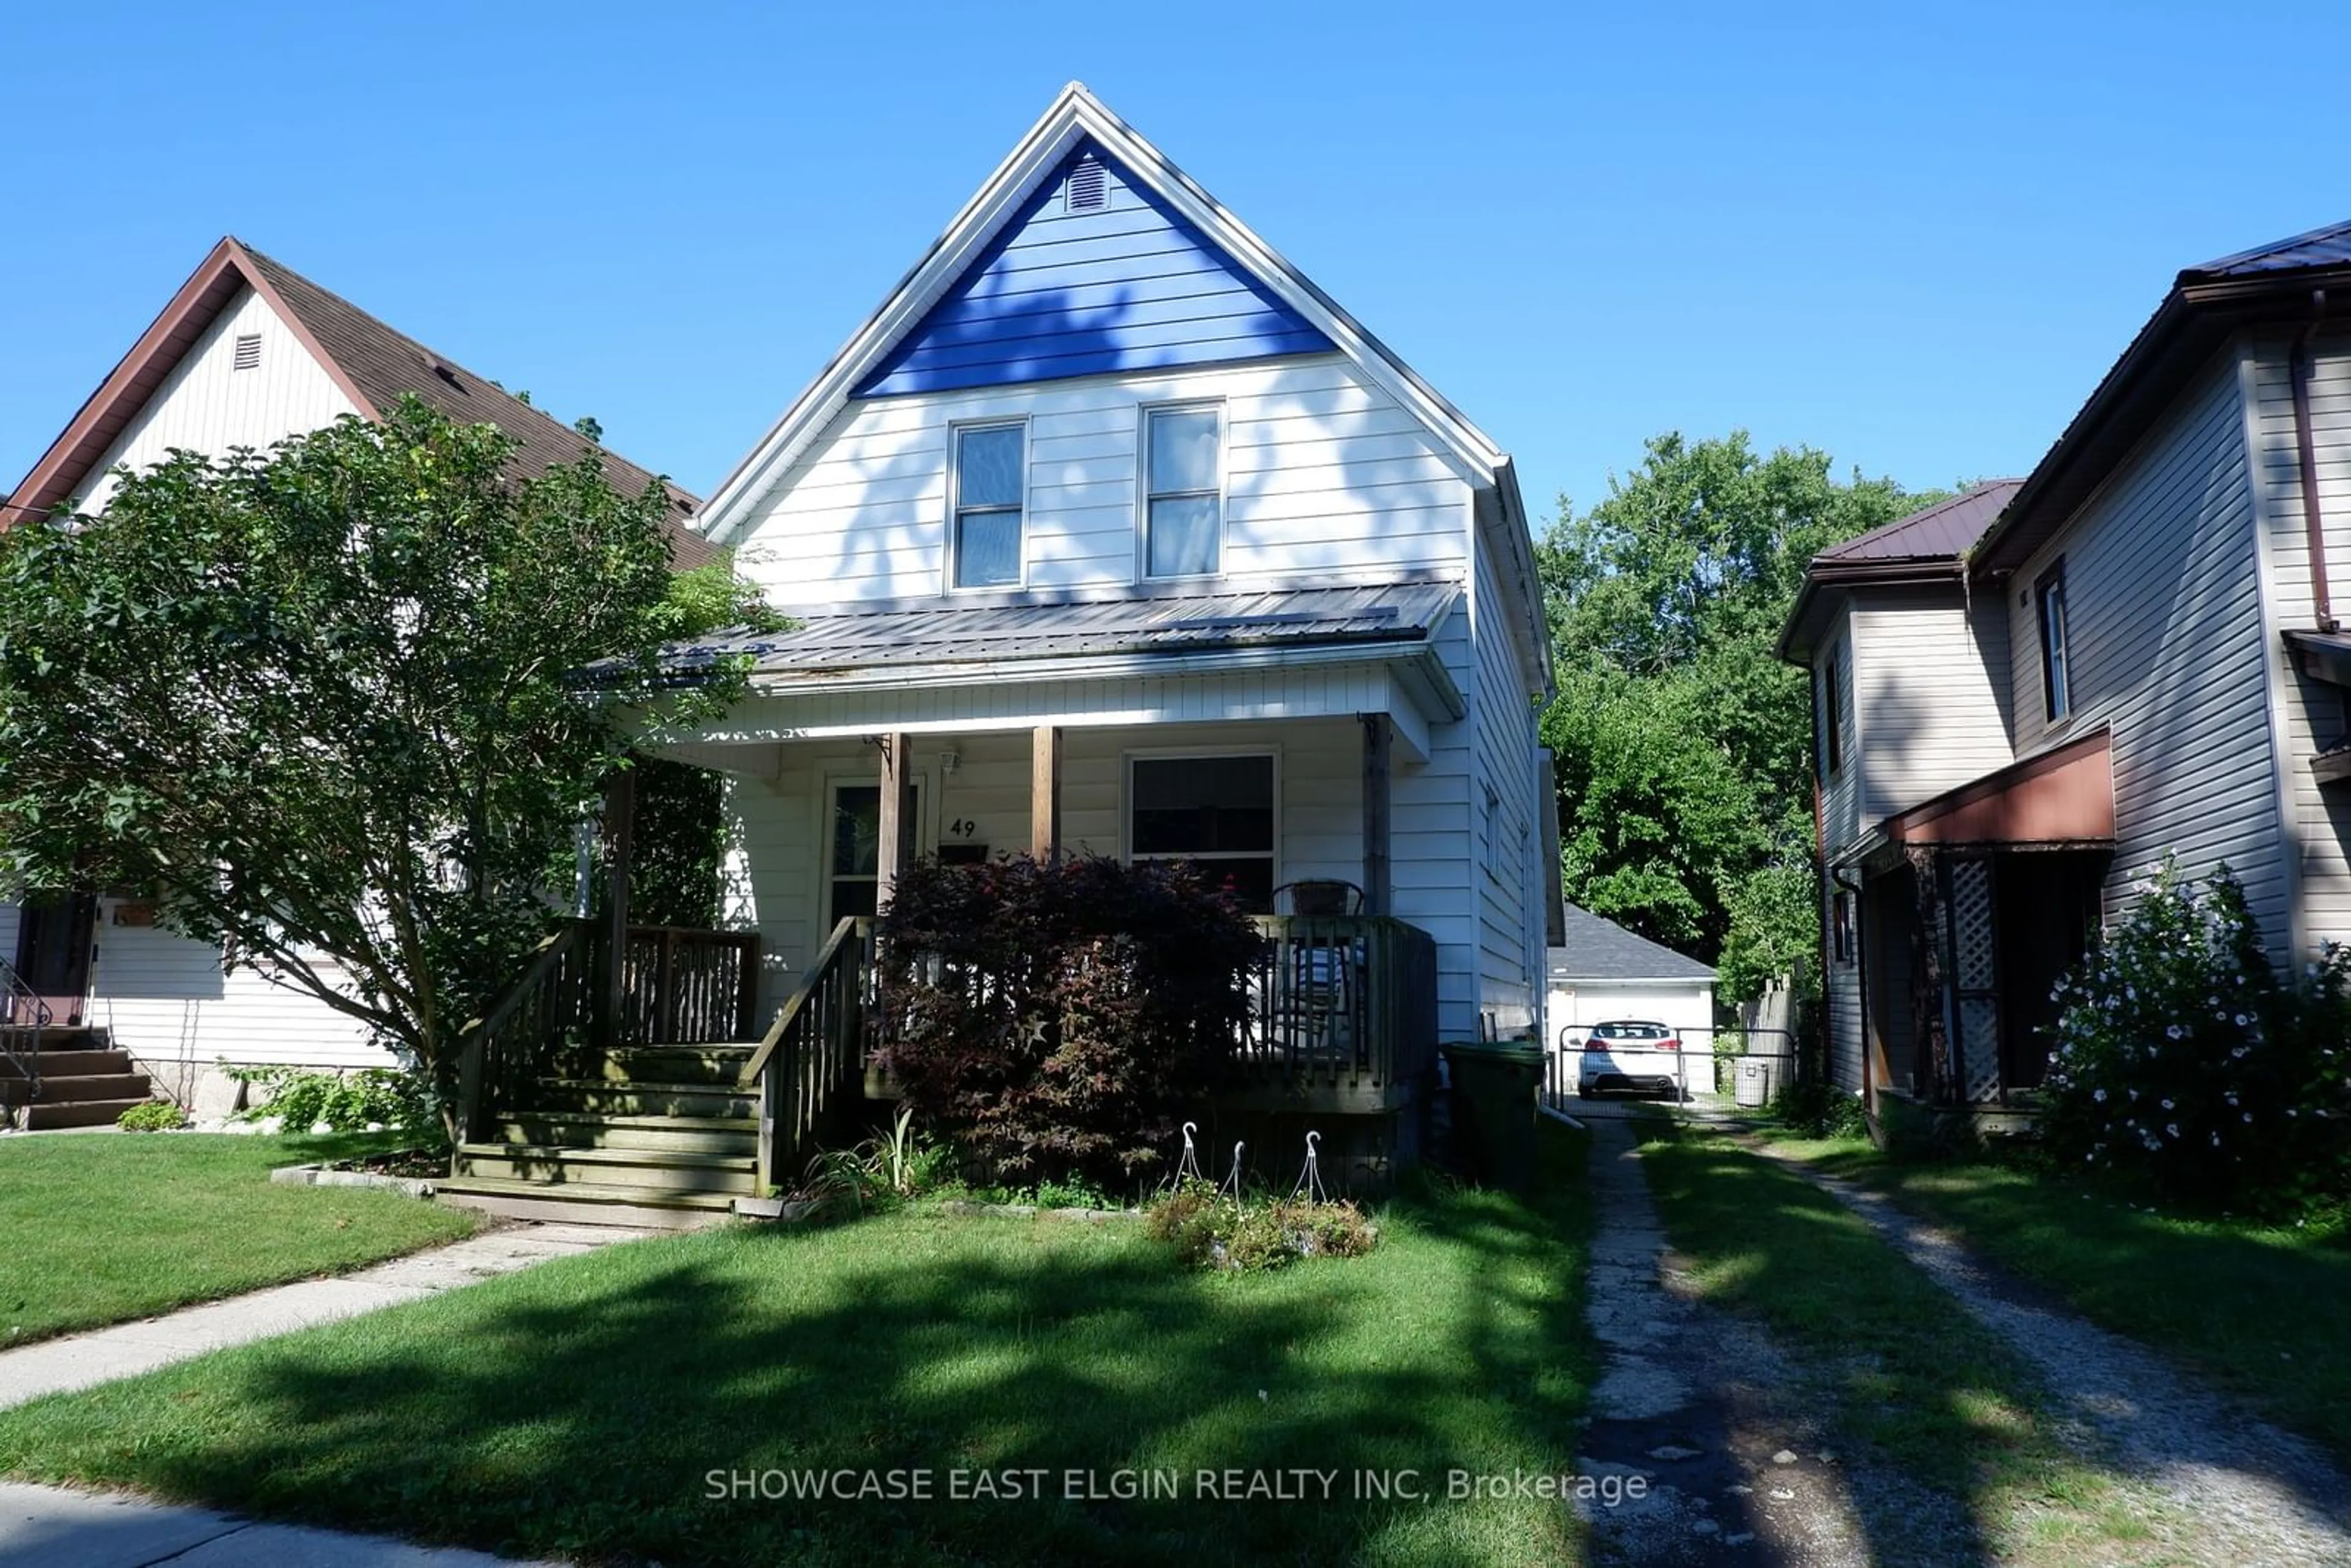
2265	1311
1937	1396
579	1409
101	1228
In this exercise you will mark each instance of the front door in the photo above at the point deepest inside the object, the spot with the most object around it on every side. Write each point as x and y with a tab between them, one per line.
56	936
853	847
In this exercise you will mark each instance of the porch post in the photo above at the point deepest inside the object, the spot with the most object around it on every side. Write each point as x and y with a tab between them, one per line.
897	846
1379	734
1045	792
619	850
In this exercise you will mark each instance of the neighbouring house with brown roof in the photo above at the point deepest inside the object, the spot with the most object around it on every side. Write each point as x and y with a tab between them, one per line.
2027	694
246	353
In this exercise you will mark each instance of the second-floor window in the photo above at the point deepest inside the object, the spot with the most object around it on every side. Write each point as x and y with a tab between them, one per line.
1182	523
2056	687
984	543
1831	723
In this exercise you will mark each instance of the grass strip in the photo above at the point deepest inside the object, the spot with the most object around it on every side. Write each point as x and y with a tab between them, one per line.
103	1229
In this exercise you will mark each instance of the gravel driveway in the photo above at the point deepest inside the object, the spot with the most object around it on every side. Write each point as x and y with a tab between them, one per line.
2238	1490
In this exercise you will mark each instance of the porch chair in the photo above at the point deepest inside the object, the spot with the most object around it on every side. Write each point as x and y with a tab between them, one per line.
1324	1004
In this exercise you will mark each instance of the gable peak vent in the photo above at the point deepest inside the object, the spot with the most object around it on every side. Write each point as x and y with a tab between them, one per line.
248	352
1088	191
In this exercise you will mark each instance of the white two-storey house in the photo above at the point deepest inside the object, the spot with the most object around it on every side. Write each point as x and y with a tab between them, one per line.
1111	533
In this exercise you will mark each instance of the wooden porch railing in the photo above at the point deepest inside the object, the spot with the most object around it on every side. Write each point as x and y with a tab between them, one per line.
553	1004
683	985
1342	1002
813	1056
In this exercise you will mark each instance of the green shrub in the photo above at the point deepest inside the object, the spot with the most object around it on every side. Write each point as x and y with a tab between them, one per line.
878	1174
155	1116
1209	1230
2183	1061
1055	1019
1818	1110
345	1103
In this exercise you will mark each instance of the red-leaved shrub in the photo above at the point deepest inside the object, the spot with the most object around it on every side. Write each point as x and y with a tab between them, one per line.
1058	1019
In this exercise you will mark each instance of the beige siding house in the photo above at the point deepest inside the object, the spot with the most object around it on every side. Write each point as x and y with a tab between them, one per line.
2057	681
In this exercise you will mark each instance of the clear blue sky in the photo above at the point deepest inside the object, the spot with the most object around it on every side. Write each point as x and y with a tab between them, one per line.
1911	235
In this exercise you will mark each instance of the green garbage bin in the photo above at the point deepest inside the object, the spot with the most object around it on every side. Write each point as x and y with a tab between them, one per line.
1494	1084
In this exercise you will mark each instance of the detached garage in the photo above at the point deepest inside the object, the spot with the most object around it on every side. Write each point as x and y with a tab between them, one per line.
1603	971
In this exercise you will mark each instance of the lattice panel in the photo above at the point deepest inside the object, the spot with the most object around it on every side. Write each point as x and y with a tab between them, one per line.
1971	925
1980	1045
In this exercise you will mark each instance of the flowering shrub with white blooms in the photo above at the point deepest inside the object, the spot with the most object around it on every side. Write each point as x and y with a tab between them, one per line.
2182	1059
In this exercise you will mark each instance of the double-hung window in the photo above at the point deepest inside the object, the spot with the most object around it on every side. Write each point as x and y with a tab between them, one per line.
2056	686
1214	811
1184	521
1831	720
984	543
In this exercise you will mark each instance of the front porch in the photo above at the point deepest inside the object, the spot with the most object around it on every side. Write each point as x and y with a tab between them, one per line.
1969	908
1300	746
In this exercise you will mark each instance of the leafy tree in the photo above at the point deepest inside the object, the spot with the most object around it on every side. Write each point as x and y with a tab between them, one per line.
1685	783
322	705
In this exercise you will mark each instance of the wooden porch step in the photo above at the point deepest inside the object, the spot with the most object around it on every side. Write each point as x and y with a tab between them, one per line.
93	1063
46	1116
67	1089
665	1098
606	1130
664	1064
653	1208
554	1166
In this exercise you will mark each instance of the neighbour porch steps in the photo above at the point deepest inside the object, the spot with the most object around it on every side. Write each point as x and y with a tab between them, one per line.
653	1134
84	1081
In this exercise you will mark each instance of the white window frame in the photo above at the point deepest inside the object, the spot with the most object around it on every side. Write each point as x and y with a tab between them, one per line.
2056	651
955	429
835	780
1143	495
1127	760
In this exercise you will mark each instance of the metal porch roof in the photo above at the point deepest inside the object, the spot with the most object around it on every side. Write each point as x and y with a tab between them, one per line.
900	634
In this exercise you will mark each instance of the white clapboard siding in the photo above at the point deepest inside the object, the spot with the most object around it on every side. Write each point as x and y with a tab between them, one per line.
1931	671
2166	642
2313	711
168	1002
1323	472
1505	879
208	405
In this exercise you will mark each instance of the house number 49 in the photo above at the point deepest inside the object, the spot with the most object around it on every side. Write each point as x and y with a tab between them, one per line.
961	828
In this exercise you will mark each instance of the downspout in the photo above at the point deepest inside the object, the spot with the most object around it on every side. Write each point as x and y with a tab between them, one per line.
2301	370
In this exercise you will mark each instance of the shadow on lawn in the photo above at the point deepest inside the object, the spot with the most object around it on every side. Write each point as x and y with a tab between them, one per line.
581	1410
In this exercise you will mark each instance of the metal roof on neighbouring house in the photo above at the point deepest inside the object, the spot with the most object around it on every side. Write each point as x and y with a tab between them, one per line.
899	634
1947	528
1600	949
2327	247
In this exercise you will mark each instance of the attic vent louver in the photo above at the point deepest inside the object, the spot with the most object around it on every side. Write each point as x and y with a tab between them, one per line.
248	352
1087	191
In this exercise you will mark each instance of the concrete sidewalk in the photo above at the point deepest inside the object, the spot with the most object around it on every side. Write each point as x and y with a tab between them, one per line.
53	1528
102	1355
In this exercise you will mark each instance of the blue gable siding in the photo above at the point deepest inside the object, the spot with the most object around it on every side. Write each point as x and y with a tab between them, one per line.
1126	286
